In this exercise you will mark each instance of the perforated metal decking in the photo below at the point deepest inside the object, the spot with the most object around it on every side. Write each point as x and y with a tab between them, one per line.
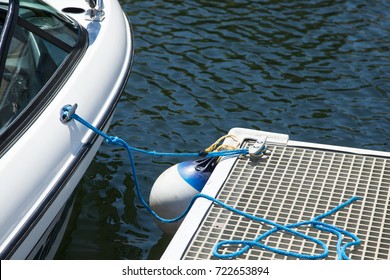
295	184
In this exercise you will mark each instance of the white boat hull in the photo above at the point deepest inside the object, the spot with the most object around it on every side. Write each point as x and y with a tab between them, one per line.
41	170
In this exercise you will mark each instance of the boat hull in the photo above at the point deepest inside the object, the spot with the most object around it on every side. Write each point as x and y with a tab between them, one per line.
40	171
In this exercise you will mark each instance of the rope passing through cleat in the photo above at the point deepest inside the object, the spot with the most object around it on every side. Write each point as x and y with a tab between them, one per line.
68	113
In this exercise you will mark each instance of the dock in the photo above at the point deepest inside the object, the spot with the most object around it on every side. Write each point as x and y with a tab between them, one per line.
295	182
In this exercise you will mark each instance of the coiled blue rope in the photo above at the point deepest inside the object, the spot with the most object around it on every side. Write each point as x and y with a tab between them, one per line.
245	244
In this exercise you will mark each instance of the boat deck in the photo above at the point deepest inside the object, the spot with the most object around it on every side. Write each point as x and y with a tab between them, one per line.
296	182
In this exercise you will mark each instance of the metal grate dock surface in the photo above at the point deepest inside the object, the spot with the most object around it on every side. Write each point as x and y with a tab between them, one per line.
296	184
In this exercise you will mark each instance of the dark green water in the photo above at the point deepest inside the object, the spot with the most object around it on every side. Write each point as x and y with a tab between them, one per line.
316	70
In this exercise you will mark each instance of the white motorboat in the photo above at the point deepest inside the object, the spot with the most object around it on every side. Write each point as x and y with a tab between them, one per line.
53	53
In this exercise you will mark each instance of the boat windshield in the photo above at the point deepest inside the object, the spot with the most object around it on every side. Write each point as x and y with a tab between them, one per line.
40	42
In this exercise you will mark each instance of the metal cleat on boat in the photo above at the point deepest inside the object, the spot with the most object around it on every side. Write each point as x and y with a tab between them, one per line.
66	113
96	12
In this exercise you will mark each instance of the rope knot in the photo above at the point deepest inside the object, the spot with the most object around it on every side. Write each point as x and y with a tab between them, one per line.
112	140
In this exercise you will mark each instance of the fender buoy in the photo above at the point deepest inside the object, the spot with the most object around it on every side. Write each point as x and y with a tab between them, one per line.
175	187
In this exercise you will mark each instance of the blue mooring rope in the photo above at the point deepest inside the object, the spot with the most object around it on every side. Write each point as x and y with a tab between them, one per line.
119	142
315	222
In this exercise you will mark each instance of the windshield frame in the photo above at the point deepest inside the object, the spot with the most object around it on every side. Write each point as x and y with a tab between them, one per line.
16	128
7	32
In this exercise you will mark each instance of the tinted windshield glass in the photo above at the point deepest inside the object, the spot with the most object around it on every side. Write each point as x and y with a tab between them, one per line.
33	56
45	17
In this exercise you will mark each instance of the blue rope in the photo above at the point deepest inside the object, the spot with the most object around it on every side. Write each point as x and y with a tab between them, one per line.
314	222
247	244
119	142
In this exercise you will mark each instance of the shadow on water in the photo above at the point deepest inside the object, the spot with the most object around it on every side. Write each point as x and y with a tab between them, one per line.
317	71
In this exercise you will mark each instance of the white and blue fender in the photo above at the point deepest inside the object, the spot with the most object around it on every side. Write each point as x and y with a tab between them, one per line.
174	189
